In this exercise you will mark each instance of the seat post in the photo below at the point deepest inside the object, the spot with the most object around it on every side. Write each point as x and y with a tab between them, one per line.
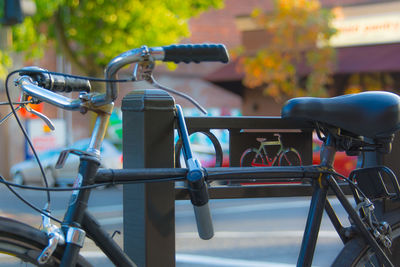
318	200
328	152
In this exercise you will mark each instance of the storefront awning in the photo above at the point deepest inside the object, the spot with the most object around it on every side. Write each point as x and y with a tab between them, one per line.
376	58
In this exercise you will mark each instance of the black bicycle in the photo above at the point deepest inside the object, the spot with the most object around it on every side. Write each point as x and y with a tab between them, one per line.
353	123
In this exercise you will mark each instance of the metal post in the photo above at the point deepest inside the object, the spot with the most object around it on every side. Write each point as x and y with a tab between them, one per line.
148	142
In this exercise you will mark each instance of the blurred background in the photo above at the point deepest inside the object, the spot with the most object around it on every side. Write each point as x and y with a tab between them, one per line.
279	49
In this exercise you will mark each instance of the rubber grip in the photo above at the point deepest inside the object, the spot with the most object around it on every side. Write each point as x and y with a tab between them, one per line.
60	83
56	82
204	222
196	53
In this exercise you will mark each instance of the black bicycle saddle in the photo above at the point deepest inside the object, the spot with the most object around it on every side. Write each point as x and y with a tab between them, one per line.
370	114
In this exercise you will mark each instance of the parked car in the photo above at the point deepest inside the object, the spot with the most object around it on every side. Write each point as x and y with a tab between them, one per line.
28	171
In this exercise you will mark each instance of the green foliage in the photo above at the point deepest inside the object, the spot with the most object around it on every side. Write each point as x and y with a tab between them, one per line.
298	31
5	62
91	32
1	9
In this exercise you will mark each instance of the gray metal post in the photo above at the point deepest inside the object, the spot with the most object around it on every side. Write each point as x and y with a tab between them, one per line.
149	213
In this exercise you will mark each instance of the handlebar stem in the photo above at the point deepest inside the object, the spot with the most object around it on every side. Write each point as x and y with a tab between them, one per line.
99	131
131	56
29	88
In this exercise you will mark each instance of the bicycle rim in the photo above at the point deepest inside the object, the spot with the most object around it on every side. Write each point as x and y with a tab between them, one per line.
20	245
19	253
368	257
357	253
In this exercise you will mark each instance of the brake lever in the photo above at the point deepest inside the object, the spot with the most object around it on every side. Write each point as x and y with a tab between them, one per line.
48	122
42	116
143	71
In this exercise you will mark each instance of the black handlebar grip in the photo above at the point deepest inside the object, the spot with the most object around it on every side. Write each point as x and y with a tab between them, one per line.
56	82
196	53
60	83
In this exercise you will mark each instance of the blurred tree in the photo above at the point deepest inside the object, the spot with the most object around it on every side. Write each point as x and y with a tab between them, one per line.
298	32
4	58
5	62
378	81
91	32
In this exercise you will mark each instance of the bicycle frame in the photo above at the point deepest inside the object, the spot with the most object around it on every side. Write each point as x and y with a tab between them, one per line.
322	181
89	164
78	218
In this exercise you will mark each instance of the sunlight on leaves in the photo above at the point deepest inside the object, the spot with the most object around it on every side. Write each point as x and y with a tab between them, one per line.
91	32
295	29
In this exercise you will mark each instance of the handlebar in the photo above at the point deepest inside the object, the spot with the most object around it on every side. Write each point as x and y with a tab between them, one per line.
38	83
55	82
176	53
30	88
195	53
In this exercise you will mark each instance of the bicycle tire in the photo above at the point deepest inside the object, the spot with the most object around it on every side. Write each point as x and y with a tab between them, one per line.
21	243
251	158
357	253
290	157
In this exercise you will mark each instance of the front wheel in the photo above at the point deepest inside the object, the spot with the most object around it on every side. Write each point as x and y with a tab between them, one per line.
21	244
356	253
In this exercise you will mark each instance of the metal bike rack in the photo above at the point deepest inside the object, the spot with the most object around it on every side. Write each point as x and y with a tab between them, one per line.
148	142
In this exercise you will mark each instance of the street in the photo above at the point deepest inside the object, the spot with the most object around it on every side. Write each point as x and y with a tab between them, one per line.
249	232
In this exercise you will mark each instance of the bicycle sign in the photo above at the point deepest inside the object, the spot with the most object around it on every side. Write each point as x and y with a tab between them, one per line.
261	149
286	156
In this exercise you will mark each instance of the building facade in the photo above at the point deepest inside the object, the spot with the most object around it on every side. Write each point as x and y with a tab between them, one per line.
367	47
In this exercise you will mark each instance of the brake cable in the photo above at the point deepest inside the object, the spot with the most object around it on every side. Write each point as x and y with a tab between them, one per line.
30	144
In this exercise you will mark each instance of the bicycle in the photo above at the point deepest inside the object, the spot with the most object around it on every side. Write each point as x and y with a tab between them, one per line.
253	157
372	238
